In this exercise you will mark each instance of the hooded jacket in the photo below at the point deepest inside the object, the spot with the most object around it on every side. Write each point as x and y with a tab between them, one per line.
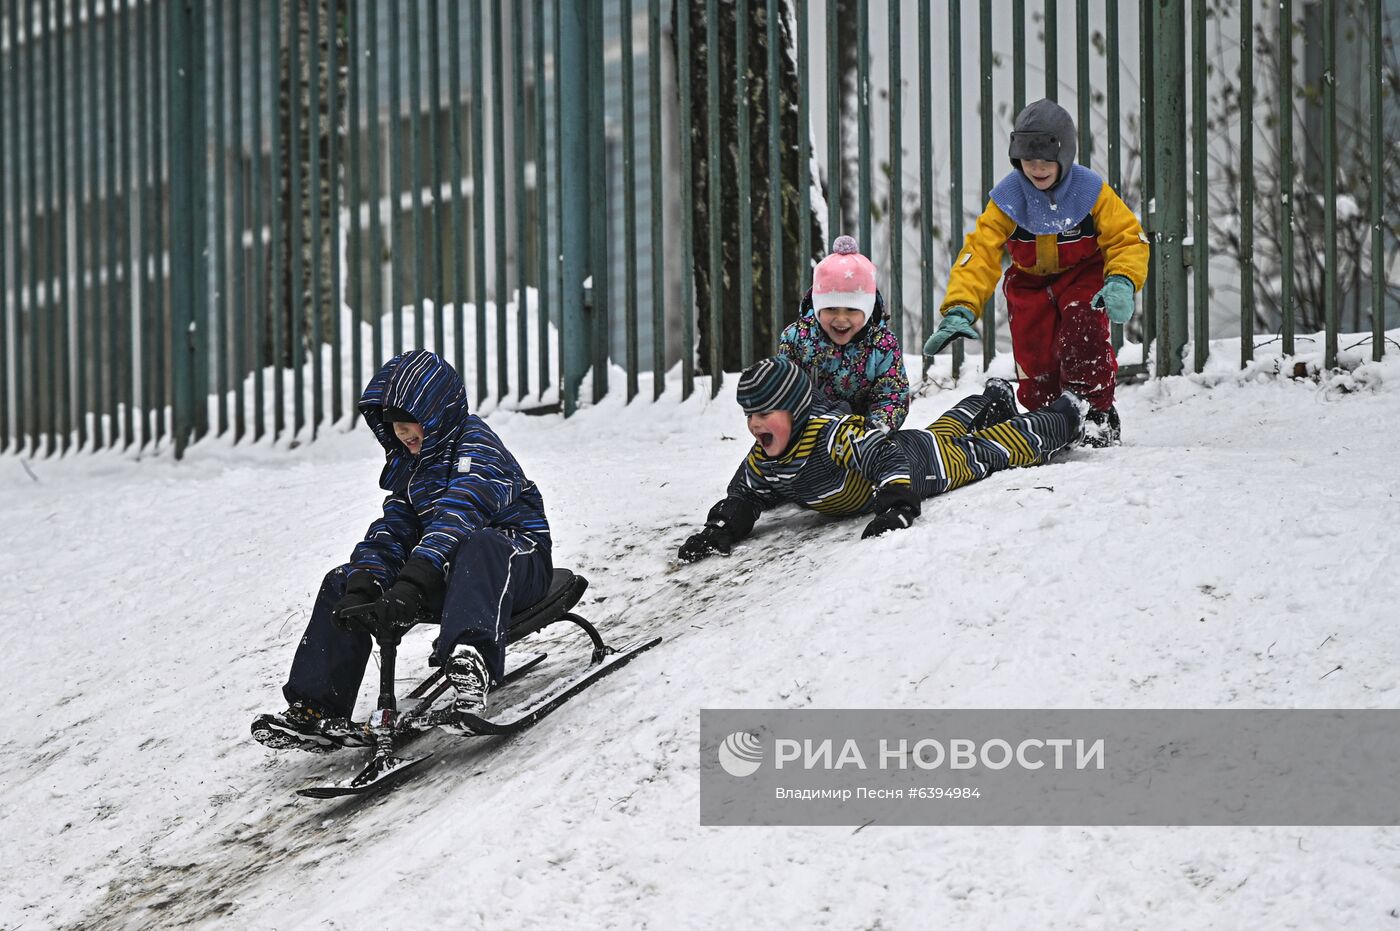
867	373
463	478
1047	232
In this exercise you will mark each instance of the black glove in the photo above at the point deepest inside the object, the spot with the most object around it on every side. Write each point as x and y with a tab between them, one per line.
362	589
705	543
419	584
897	517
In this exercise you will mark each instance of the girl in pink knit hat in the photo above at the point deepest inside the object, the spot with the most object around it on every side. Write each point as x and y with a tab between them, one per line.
841	340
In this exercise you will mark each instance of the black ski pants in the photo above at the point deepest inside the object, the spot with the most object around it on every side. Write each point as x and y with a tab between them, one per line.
493	574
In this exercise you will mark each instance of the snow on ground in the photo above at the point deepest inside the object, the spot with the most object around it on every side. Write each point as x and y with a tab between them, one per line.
1234	552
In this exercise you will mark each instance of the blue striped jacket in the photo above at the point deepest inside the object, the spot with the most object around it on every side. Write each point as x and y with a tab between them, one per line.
463	479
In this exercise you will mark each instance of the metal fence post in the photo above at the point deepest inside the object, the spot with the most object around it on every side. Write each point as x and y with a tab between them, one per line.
188	232
576	338
1169	142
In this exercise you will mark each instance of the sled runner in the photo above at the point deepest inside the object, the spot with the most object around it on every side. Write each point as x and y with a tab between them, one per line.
388	730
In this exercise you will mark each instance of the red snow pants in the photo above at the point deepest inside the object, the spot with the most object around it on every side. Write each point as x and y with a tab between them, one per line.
1059	340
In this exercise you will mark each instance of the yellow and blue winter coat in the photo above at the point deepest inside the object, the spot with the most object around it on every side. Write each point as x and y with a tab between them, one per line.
1046	236
463	479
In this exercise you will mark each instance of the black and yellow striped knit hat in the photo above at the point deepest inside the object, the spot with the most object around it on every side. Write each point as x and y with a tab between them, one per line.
776	384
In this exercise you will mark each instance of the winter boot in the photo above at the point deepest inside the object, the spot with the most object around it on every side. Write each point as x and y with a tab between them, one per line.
1001	404
305	727
1102	428
466	670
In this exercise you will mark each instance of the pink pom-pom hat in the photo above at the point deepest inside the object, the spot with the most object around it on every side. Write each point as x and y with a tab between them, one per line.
845	278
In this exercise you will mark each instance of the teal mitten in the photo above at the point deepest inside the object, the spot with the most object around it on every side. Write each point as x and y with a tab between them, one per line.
957	323
1116	297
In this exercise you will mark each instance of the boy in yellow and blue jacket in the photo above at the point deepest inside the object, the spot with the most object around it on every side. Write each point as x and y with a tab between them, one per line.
1078	254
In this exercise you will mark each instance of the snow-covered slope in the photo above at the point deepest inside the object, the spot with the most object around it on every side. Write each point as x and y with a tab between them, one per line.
1238	549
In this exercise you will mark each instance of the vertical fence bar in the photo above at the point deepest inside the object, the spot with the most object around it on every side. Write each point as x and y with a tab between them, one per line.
989	309
417	177
955	145
25	285
163	338
566	398
260	199
436	163
1082	89
1115	130
1018	56
300	209
333	201
1168	143
1329	182
1200	207
683	53
90	233
499	223
658	247
355	251
629	199
375	198
863	120
522	226
1148	59
896	77
51	313
185	88
544	266
9	74
317	306
833	126
1247	183
63	353
141	381
925	179
459	186
1052	50
236	291
712	181
396	169
220	326
775	175
1377	188
745	263
276	297
478	66
1285	151
598	252
804	150
575	175
111	261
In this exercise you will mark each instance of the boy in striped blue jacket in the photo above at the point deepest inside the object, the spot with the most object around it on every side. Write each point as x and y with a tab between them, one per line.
463	541
839	465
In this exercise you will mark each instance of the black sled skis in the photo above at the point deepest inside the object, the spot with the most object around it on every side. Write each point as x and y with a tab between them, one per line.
388	730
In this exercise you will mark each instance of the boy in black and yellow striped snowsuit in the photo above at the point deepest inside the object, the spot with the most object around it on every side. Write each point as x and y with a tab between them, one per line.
838	465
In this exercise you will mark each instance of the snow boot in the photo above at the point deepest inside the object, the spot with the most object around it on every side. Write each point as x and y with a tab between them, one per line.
305	727
1103	428
1001	404
466	670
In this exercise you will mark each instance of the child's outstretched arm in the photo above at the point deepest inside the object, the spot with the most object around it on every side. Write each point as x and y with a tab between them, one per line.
731	519
974	277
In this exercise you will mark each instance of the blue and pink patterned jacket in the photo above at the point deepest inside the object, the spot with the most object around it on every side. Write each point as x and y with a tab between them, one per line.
866	375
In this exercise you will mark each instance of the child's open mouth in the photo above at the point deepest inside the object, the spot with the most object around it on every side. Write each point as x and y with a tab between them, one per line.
764	439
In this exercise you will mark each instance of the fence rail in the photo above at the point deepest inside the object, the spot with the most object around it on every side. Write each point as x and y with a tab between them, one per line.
219	217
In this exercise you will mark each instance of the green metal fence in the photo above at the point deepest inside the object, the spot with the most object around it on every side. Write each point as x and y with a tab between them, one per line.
219	217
